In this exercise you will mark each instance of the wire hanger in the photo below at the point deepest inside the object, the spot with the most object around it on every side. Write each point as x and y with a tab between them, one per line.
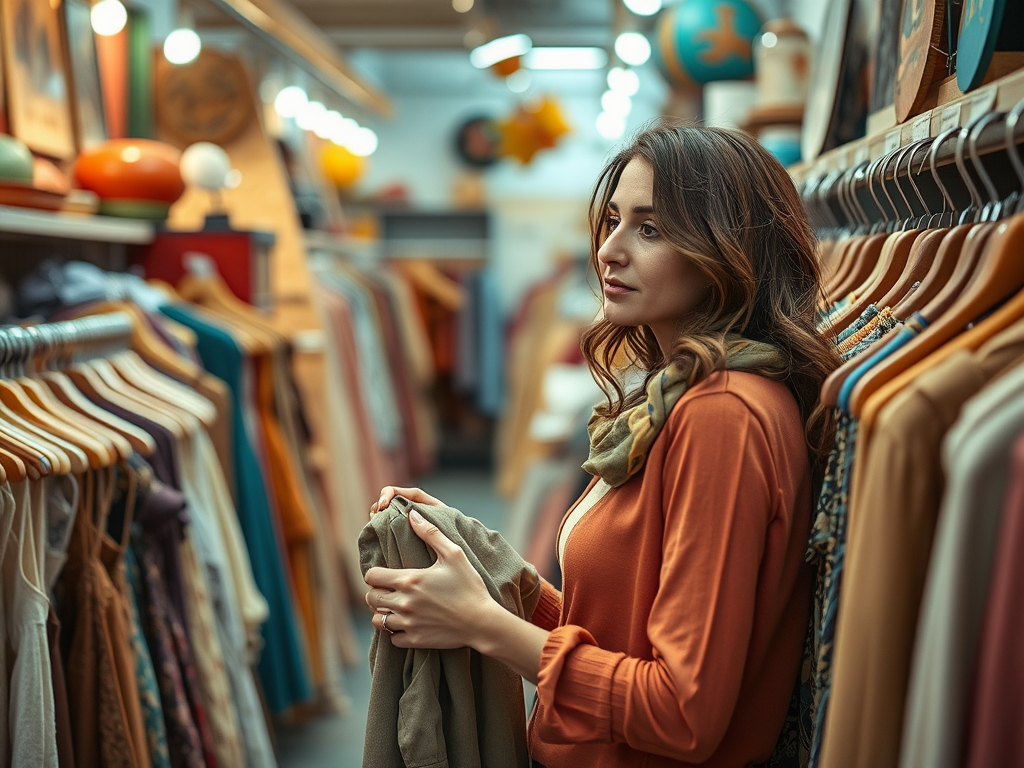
992	210
933	153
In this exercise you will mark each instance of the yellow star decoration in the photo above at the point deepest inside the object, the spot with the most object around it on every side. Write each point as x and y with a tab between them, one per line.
532	128
518	136
724	40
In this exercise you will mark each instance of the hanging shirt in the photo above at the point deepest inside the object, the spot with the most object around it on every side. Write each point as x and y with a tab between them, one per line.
282	664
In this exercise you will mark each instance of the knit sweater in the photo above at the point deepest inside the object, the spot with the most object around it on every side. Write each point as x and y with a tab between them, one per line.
678	636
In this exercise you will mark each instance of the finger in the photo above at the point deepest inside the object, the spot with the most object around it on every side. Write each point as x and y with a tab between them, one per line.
387	578
413	494
432	536
377	599
395	622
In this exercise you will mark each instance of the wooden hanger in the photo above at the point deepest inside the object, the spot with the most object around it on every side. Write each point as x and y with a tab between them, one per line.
65	391
893	261
946	257
113	443
433	282
951	240
134	370
146	342
999	274
843	263
866	259
88	380
110	376
919	263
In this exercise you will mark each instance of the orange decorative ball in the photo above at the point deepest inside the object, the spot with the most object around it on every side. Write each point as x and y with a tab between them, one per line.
341	167
132	177
506	67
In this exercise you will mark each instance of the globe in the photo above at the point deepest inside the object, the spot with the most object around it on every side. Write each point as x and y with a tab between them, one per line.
701	41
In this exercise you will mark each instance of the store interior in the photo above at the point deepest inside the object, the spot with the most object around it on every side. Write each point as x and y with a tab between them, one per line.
261	258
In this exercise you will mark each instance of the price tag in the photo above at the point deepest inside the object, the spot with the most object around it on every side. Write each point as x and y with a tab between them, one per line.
861	155
983	102
922	128
950	118
893	139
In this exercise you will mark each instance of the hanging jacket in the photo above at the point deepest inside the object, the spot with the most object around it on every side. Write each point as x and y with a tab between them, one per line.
445	708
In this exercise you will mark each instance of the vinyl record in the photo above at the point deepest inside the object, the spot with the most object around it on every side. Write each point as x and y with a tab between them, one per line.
477	141
837	100
986	26
920	58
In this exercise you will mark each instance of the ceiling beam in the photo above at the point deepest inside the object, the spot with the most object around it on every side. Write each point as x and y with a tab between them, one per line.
295	36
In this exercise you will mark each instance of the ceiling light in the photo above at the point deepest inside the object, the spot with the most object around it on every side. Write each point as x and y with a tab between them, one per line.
769	40
489	54
519	81
182	46
309	115
108	17
462	6
643	7
565	58
363	142
611	126
616	103
343	131
623	81
323	125
633	48
290	101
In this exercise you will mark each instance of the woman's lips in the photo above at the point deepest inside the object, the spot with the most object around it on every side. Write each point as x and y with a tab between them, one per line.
616	289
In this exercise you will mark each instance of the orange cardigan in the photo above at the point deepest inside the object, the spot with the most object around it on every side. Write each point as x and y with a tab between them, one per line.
678	636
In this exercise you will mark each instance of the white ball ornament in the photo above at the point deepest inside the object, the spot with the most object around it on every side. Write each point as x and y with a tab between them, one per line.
205	165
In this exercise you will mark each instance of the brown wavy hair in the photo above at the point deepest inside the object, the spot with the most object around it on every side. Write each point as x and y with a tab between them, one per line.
726	204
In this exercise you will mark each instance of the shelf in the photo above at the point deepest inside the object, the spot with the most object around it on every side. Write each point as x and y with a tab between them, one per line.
71	226
1000	95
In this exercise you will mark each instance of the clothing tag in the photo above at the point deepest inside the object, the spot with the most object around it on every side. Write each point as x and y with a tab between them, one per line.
950	118
893	140
983	102
922	128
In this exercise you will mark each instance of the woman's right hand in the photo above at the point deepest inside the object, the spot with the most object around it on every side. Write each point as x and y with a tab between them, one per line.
415	495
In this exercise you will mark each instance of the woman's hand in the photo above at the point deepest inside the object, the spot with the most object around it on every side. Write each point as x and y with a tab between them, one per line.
415	495
444	606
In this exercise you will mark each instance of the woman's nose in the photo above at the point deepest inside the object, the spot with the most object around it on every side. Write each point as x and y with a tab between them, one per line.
611	251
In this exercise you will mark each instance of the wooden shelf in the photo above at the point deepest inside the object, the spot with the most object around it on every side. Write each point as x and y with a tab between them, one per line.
70	226
1001	95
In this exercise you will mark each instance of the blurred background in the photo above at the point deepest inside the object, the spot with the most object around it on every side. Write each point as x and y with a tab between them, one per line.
357	232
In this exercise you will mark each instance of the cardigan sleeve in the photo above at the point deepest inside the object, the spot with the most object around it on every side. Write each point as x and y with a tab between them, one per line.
717	496
549	607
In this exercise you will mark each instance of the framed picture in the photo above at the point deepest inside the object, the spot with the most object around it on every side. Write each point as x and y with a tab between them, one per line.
38	104
83	64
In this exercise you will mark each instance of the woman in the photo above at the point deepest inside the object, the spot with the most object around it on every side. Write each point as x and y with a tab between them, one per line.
678	635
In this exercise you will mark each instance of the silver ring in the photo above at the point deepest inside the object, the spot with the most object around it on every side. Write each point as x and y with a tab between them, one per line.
384	624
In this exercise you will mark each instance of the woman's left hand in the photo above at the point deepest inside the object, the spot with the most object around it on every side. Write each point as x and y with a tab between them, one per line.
443	606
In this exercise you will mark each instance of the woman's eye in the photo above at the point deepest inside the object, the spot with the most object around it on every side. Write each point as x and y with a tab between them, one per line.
648	230
612	222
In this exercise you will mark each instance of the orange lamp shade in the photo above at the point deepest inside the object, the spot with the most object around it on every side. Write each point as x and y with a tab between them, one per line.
131	169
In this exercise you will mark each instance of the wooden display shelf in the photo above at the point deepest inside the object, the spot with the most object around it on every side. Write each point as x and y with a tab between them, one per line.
1001	94
70	226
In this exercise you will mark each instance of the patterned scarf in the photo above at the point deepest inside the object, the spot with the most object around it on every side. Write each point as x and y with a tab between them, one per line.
619	446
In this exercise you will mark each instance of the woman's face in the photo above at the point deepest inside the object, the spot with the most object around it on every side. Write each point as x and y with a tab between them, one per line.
645	281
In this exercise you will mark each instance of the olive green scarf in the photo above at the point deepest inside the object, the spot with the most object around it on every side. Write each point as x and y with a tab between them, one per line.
619	446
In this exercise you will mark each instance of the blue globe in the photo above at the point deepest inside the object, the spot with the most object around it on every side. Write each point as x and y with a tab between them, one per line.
700	41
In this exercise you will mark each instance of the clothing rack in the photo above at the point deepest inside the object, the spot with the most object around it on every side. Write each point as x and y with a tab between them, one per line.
63	341
970	173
